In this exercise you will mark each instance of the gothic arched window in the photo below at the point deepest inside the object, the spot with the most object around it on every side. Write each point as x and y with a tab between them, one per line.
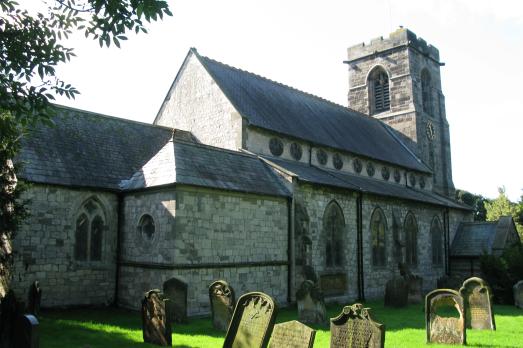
379	95
90	225
333	227
436	233
411	240
426	93
378	228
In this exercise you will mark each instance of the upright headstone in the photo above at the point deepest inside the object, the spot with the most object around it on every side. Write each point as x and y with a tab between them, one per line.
34	298
176	291
445	329
311	305
9	311
478	307
415	284
355	328
292	334
518	294
396	292
26	332
252	322
155	326
222	300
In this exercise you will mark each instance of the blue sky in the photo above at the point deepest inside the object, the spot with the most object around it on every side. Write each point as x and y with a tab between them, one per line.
303	44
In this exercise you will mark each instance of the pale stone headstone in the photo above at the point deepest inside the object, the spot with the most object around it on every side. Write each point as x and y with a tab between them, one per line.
444	329
252	322
222	300
26	332
518	294
156	329
355	328
292	334
34	298
396	292
311	306
477	296
176	291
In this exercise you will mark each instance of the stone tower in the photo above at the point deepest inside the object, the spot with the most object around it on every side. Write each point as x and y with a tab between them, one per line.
397	80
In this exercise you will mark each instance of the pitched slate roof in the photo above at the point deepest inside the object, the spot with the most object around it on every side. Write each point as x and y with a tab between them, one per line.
202	165
273	106
89	150
322	176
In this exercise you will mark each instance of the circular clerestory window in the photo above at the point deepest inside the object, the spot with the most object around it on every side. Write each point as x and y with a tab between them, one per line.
146	227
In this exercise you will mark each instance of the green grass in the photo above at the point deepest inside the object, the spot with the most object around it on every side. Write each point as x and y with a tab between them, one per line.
116	328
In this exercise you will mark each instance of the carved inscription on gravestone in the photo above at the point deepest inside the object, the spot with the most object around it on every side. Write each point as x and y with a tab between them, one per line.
156	328
176	291
440	327
477	296
292	334
222	304
252	322
355	328
518	294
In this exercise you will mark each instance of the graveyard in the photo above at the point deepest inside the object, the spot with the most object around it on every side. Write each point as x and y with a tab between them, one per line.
405	327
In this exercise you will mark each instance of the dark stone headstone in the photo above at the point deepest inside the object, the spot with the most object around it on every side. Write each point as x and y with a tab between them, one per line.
396	292
9	311
333	284
26	332
445	329
156	328
176	290
222	304
34	298
415	284
518	294
478	307
311	306
292	334
252	322
355	328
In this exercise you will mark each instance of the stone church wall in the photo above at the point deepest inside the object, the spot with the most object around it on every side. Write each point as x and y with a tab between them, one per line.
206	235
196	104
45	248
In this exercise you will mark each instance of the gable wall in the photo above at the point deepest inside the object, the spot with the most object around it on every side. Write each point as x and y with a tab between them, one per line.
197	104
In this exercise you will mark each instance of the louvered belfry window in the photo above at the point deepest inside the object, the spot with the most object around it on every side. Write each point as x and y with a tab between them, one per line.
379	85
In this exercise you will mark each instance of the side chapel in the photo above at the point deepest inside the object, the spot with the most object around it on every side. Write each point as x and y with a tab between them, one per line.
245	179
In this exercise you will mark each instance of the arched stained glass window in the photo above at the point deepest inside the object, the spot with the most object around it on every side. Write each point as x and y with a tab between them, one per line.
378	228
333	226
436	233
90	226
97	227
379	94
411	240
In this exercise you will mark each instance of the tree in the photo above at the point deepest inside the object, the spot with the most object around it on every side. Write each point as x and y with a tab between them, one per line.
477	202
31	46
502	206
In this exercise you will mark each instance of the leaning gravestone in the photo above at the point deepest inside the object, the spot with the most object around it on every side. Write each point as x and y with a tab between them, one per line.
156	328
396	292
176	291
252	322
444	329
292	334
34	298
518	294
478	307
222	304
26	332
311	306
355	328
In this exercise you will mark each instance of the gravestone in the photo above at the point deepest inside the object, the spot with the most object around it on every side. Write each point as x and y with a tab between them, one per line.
26	332
518	294
311	306
252	322
396	292
415	284
478	307
34	298
9	311
333	284
445	329
155	325
222	299
176	291
292	334
355	328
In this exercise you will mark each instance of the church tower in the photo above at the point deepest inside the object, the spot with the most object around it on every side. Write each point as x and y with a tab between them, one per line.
397	80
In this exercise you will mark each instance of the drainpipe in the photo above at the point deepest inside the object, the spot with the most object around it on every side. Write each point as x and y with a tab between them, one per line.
359	246
447	241
290	253
119	233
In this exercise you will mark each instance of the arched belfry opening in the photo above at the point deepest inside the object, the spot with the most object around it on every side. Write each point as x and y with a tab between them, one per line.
379	93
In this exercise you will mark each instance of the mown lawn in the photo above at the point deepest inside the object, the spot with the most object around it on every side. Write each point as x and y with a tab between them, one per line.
105	328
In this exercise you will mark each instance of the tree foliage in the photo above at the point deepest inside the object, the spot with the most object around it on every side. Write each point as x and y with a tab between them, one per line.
477	202
502	206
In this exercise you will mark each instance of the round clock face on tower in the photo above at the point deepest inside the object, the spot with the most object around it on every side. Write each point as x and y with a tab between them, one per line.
431	133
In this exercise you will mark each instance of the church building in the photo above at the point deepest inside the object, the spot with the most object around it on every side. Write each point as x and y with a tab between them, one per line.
248	180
